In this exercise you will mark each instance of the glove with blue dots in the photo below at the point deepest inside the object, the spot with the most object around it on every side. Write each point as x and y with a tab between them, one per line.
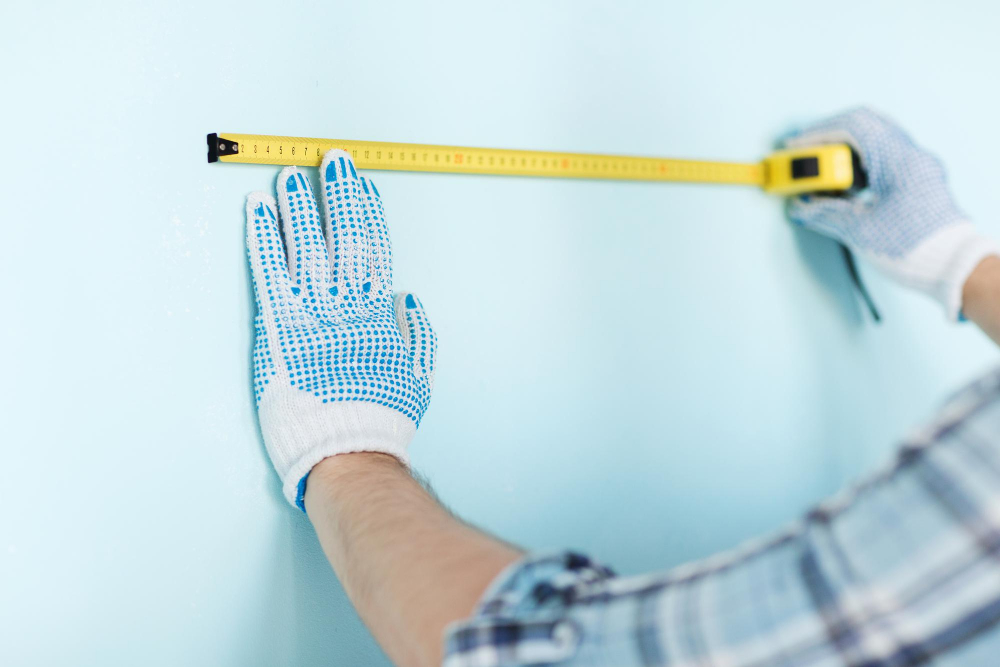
340	364
905	222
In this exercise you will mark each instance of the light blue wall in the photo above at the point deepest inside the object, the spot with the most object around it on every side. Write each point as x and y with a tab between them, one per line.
648	373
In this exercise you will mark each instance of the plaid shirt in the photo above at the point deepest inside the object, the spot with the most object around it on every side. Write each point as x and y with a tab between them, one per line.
902	569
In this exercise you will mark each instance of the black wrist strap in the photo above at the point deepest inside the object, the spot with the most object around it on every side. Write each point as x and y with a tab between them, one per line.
852	270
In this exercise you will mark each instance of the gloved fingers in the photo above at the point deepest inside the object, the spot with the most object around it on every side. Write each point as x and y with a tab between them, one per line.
859	127
818	137
308	263
266	253
347	236
876	139
380	257
825	215
419	338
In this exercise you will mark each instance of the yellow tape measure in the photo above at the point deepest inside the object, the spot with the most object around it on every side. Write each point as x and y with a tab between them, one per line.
820	168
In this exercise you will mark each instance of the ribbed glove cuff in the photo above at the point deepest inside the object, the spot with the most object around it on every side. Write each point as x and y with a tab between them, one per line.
307	431
941	263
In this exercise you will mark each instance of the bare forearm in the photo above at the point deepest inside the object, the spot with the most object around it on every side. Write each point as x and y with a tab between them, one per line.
409	566
981	297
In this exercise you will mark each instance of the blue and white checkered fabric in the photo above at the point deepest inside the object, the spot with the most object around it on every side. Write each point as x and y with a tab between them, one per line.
903	569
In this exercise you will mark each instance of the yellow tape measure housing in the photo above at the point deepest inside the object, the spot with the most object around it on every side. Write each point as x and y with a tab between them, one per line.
816	169
783	173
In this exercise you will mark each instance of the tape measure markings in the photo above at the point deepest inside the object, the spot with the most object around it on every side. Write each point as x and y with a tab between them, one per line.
307	152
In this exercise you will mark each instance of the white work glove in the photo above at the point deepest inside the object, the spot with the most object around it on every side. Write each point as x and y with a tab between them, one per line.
905	222
339	364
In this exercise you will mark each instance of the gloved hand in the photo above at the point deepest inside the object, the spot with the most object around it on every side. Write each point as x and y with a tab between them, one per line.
905	222
339	364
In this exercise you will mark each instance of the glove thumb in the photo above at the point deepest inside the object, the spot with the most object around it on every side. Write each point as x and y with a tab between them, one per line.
822	214
419	338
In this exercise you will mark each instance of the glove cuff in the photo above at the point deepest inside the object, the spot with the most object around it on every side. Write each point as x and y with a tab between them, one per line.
941	263
311	431
964	263
968	249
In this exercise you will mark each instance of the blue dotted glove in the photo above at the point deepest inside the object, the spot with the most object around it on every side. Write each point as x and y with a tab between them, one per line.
905	222
340	365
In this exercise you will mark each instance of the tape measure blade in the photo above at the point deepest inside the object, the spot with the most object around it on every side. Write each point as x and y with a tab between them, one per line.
309	152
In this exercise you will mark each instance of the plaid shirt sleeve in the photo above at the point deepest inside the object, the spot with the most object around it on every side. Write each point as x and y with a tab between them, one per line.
902	569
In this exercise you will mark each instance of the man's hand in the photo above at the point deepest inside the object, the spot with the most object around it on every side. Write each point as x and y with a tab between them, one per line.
340	365
905	222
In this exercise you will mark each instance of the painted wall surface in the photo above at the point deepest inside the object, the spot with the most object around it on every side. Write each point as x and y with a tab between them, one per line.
648	373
